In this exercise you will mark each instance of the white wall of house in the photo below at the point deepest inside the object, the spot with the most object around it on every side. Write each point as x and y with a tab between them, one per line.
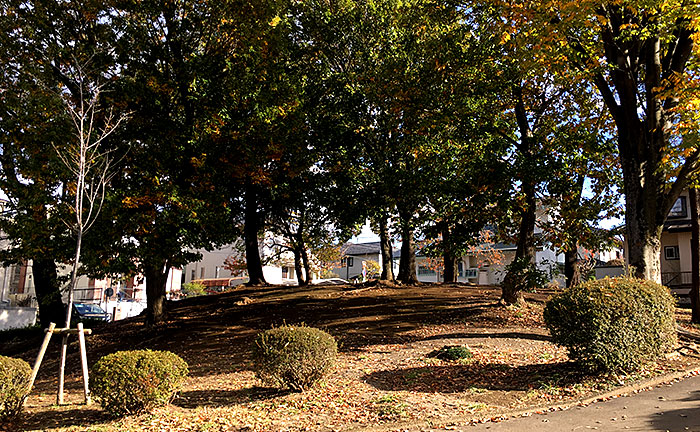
211	266
17	317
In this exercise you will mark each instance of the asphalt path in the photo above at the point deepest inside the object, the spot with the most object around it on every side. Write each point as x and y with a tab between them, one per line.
673	407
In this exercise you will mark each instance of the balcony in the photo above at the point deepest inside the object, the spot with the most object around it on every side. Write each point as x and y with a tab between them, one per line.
676	279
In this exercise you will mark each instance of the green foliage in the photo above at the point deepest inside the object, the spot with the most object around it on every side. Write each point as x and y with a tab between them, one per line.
452	353
526	275
294	356
14	386
193	289
132	382
613	324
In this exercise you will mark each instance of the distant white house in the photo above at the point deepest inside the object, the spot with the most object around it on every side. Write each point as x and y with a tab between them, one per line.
355	254
212	269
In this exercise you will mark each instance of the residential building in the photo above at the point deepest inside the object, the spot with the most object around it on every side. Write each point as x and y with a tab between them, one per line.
675	247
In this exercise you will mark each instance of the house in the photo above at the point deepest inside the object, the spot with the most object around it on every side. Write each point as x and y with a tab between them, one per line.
484	266
225	266
355	254
675	247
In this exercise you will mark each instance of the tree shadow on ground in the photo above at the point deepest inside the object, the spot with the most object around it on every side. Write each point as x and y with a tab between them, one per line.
498	335
457	378
79	416
679	419
217	397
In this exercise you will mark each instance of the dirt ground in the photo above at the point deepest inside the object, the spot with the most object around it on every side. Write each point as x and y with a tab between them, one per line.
384	375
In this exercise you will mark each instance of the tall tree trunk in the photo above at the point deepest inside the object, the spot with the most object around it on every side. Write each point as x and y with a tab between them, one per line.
387	251
407	264
646	210
695	255
298	269
571	267
307	265
48	292
513	284
449	261
450	265
250	233
156	283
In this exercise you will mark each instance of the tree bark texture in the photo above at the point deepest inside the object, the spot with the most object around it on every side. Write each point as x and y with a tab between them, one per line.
298	268
695	255
386	250
307	265
251	229
48	292
407	264
449	261
571	268
450	268
156	288
513	286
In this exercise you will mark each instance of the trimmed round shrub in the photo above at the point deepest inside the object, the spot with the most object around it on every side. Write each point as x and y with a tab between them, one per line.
293	357
452	353
133	382
14	386
613	324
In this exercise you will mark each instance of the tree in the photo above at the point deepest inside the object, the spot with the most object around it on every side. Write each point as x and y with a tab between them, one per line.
41	42
396	82
163	203
641	57
86	157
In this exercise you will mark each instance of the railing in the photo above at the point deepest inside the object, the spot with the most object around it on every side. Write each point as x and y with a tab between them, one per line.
676	279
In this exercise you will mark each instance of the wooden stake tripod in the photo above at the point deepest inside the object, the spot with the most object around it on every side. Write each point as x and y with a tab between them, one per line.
65	332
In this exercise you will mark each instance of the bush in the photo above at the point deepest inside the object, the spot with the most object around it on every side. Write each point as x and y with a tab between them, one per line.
194	289
294	357
14	386
132	382
452	353
613	324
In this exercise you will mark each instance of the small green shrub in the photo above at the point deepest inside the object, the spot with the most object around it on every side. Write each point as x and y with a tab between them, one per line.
194	289
294	357
613	324
132	382
452	353
14	386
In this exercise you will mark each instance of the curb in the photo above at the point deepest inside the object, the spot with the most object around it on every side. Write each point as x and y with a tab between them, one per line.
462	421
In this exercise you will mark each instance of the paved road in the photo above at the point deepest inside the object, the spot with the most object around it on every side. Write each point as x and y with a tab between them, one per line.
674	408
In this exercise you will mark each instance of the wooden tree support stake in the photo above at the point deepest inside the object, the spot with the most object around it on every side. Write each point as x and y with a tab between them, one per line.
40	357
65	332
83	362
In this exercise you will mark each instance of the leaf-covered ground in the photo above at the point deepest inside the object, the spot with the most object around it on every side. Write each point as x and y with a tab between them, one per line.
385	374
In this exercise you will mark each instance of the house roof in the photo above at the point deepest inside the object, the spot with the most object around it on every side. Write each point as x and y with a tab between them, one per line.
368	248
681	225
363	248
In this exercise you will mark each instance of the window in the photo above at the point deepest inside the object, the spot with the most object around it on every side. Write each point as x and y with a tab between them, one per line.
347	262
679	209
285	272
423	270
672	253
194	274
471	273
201	273
460	268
